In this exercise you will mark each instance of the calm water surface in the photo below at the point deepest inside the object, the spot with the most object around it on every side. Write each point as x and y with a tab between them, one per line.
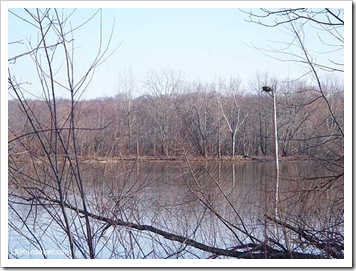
183	199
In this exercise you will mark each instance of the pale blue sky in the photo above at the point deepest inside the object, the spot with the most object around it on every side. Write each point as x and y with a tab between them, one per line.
203	43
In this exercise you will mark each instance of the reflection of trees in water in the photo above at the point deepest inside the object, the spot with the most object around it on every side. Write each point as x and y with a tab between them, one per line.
220	205
161	210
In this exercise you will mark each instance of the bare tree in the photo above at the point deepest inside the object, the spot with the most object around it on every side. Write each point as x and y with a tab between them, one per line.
162	89
108	209
199	118
229	104
327	24
126	92
58	142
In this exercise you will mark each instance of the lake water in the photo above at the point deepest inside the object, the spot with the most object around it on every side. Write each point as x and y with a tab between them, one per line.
221	204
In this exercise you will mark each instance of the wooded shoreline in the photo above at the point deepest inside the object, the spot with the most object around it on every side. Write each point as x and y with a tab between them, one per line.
237	158
195	159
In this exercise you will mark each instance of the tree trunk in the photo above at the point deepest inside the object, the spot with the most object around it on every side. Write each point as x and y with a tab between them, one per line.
233	135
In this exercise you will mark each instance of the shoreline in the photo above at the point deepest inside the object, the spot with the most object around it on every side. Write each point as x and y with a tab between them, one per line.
238	158
113	159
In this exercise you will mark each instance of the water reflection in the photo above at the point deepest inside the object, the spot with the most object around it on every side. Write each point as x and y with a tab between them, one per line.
210	202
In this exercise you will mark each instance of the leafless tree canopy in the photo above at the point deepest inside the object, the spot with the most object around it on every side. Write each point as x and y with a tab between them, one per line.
306	26
75	178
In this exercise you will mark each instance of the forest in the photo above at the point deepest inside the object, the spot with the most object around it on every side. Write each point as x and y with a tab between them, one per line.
205	119
175	169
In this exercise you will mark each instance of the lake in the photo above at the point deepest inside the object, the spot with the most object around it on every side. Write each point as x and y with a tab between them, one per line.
221	204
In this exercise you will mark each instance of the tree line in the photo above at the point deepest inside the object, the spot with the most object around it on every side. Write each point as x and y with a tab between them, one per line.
215	119
171	117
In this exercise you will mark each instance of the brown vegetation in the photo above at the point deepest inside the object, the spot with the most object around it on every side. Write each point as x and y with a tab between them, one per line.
53	195
196	118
